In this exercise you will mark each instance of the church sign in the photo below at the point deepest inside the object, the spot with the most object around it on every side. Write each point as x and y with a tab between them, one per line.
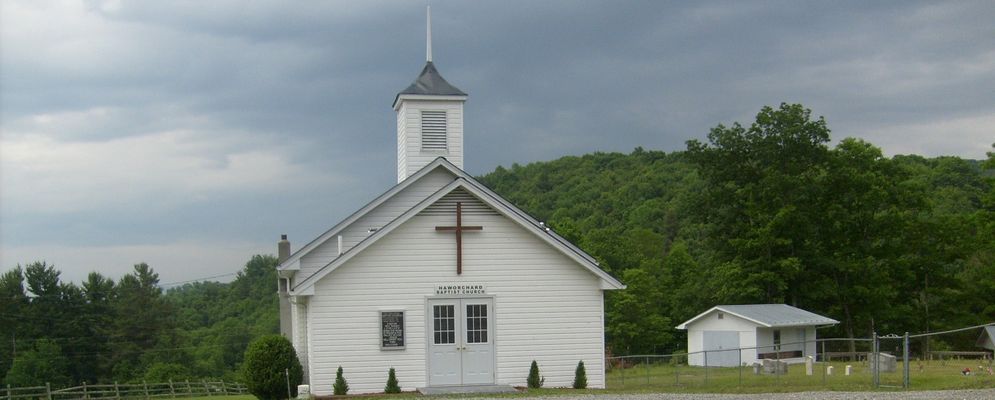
460	289
392	330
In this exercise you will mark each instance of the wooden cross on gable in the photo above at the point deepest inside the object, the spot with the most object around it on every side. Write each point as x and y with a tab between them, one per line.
458	229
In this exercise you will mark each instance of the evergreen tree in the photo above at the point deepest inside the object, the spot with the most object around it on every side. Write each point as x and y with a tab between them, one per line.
340	387
535	380
580	376
392	385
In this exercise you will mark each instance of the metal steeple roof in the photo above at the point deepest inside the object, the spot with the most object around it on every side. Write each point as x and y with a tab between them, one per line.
429	82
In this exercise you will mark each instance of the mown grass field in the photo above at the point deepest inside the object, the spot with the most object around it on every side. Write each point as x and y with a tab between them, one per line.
934	375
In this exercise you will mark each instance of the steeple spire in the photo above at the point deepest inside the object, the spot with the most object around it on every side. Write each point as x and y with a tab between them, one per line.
429	117
428	33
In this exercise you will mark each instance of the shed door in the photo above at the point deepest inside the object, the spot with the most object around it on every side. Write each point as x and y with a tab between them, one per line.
712	341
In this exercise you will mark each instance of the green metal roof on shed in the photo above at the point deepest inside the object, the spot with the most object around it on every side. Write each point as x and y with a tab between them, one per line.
768	315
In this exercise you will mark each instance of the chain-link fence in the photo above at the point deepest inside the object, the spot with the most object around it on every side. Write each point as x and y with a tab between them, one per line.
897	361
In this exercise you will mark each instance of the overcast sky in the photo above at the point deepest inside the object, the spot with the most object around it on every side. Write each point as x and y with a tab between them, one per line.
191	134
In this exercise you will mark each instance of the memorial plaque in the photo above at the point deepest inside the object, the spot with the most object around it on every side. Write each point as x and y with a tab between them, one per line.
392	330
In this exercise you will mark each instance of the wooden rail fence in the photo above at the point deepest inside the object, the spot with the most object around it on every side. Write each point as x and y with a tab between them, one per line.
122	391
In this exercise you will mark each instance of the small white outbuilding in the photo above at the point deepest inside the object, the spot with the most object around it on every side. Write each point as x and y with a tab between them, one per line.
758	331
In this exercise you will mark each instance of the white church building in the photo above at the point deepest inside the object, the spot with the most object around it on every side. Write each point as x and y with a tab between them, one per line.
441	278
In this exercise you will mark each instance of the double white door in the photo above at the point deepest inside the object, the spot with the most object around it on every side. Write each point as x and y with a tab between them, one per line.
461	341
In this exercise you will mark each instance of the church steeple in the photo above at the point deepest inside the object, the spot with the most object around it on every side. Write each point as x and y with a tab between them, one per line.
429	117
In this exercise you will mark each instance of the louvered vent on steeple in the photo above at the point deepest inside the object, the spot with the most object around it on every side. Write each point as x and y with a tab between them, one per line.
433	130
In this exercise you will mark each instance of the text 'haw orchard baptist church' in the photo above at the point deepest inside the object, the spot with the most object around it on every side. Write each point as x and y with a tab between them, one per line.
460	289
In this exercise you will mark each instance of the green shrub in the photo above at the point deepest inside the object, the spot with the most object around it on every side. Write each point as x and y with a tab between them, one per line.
392	386
267	361
535	380
162	372
580	376
43	363
340	387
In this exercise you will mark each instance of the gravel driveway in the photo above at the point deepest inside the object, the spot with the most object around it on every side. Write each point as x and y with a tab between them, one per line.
924	395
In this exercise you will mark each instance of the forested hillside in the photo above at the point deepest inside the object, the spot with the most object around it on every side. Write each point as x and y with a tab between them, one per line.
130	330
770	212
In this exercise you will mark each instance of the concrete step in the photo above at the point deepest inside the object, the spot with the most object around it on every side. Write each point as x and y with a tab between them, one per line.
437	390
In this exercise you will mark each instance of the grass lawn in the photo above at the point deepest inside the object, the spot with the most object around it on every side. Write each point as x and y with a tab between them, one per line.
935	375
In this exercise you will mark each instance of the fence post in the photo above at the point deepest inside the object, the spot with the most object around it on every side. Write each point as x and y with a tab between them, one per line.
622	368
677	369
85	394
905	355
224	389
117	391
740	363
825	361
875	371
206	388
777	369
172	390
145	388
48	391
706	367
189	389
647	361
9	396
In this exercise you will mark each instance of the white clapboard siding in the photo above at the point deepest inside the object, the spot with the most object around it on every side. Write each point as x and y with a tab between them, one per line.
376	218
298	320
410	156
747	335
547	307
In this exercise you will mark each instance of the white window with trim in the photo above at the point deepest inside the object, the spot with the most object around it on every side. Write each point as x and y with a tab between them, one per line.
433	131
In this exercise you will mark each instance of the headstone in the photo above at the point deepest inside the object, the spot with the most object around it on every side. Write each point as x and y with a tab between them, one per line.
883	362
829	370
849	370
757	368
776	367
809	361
303	392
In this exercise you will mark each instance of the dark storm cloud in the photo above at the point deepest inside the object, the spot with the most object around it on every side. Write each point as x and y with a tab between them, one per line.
211	127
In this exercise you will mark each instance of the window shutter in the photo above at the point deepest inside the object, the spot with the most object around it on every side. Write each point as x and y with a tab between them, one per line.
433	130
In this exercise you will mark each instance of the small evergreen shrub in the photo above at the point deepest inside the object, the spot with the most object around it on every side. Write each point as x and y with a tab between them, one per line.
535	380
341	387
392	386
580	376
267	361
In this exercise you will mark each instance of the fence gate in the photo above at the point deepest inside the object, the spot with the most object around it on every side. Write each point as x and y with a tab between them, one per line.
889	361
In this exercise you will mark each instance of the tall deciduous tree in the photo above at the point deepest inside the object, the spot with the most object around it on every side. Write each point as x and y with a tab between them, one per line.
759	199
44	363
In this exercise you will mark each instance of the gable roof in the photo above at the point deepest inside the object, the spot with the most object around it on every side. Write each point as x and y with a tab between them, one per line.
987	338
291	263
466	182
767	315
